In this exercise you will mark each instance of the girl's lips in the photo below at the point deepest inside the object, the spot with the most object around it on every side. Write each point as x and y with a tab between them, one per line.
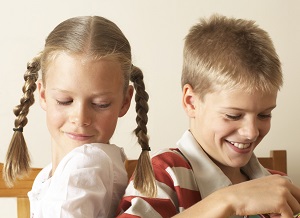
79	137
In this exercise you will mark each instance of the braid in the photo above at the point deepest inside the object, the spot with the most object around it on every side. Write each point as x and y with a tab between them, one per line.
17	162
141	99
144	180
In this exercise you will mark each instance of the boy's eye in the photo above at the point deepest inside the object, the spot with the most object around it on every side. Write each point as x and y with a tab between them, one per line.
63	102
264	116
233	117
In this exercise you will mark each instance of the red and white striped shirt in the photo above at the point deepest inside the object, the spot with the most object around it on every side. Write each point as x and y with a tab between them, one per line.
184	176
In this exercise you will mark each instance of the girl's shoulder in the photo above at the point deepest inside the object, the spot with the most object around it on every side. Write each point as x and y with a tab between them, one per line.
89	155
44	174
95	158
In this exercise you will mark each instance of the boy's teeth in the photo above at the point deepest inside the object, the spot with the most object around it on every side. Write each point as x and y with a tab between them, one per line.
240	145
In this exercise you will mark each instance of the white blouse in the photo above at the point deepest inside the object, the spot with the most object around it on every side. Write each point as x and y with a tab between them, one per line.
88	183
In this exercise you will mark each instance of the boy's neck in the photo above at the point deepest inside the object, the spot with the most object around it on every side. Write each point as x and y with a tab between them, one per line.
235	175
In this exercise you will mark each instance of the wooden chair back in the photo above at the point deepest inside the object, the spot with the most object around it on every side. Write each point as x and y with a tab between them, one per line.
130	167
276	161
19	191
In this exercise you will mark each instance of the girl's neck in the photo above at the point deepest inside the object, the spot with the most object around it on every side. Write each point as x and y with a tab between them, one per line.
57	156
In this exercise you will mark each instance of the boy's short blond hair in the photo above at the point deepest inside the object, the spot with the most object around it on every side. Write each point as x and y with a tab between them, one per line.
230	53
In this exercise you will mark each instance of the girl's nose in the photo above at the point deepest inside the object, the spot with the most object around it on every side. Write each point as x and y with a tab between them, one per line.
80	116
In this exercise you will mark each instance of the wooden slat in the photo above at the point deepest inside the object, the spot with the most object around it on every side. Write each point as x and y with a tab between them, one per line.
23	208
279	160
19	191
21	187
276	161
130	167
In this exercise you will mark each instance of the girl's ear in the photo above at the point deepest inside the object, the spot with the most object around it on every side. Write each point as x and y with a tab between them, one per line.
126	101
42	95
188	100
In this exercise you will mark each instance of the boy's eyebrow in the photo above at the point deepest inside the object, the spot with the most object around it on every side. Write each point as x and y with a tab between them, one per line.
239	109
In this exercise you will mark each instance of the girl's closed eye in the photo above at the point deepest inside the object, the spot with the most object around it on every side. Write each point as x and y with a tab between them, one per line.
101	105
64	102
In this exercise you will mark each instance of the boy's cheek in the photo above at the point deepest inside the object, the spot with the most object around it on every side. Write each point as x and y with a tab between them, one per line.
273	215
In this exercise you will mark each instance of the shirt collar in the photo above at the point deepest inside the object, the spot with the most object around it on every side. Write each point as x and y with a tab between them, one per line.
209	177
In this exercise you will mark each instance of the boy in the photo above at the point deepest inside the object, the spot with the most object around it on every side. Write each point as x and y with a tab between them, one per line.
230	79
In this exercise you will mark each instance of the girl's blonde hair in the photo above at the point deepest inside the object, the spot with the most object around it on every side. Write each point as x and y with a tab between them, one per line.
96	37
230	53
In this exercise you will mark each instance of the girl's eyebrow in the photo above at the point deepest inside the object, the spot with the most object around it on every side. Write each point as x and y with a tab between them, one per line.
59	90
95	94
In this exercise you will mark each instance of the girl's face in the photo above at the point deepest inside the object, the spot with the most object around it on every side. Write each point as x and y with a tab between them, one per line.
83	99
229	124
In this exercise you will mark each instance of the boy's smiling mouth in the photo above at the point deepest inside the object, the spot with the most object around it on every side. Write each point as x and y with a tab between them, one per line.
240	145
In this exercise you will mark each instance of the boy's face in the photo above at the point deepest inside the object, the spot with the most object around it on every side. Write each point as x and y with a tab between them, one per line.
229	124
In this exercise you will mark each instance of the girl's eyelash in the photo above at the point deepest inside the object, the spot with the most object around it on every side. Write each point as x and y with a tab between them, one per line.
63	102
102	106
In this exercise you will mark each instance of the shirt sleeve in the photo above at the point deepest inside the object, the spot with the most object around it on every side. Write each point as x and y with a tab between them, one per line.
83	189
175	184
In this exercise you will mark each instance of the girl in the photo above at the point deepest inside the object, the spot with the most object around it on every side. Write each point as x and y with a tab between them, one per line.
84	88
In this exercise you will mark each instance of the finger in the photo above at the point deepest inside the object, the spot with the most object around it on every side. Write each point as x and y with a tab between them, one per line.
295	192
293	197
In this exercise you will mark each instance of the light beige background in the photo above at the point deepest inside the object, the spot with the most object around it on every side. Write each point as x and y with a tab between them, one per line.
156	30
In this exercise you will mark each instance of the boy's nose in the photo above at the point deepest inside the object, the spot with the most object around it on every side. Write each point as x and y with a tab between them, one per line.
80	116
249	130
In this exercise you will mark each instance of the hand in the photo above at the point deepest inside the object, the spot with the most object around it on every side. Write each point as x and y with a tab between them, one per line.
272	194
268	195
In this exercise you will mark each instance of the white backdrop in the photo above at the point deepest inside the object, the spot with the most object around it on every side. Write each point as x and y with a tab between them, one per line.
156	30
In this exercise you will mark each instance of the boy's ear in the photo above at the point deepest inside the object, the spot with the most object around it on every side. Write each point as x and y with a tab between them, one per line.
188	100
126	101
42	95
